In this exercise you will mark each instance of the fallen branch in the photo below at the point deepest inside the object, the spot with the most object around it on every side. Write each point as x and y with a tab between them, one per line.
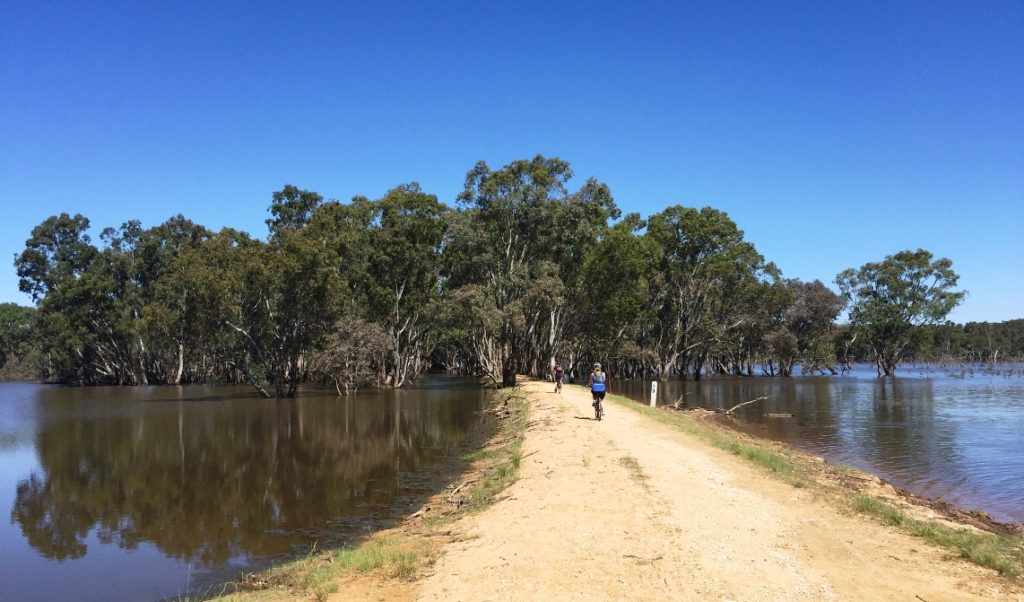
459	488
419	512
740	405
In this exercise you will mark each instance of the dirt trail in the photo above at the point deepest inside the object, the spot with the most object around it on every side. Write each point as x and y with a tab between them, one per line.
628	509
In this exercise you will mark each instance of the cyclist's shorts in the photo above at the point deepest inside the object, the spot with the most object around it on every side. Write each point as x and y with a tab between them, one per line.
598	394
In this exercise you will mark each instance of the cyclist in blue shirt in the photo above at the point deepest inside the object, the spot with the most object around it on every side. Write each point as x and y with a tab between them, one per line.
598	387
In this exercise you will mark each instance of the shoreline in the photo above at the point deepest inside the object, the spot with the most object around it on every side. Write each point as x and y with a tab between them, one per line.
418	558
974	517
386	563
981	497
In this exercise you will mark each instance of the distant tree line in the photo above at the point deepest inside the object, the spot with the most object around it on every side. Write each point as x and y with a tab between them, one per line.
522	272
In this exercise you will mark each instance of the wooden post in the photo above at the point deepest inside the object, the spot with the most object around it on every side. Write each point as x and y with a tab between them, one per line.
654	393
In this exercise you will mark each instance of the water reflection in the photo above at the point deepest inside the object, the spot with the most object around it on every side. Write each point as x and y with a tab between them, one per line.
211	481
940	436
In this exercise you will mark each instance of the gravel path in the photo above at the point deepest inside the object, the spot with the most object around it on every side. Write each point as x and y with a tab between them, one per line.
629	509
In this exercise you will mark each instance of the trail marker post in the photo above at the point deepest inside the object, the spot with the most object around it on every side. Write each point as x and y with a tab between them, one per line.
654	393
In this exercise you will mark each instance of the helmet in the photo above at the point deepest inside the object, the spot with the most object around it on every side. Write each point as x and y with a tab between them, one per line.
597	364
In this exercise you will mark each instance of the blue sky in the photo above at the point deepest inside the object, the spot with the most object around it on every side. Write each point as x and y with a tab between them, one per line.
833	133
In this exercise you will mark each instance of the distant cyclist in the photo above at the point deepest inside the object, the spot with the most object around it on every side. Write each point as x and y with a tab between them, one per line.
559	375
598	386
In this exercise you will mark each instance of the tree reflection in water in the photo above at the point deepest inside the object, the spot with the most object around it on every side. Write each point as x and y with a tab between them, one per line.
208	482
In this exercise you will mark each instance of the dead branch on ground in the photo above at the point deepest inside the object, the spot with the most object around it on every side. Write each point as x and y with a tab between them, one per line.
740	405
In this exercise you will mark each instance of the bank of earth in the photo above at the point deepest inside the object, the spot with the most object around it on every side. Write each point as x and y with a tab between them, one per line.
646	505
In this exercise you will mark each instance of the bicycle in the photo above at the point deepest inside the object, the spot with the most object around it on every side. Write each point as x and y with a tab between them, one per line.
598	409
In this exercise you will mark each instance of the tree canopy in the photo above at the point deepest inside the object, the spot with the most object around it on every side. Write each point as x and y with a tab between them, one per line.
524	270
890	300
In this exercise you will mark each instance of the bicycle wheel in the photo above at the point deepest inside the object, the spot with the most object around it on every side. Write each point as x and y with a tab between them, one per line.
597	410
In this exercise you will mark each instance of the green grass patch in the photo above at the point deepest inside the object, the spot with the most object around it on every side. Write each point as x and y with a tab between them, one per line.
499	465
482	454
1002	553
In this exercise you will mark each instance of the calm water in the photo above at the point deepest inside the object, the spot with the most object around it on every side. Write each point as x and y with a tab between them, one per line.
957	436
150	493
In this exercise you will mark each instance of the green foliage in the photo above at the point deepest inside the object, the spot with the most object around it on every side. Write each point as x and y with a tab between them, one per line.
513	260
708	283
16	327
1004	554
291	209
808	327
891	300
615	278
523	273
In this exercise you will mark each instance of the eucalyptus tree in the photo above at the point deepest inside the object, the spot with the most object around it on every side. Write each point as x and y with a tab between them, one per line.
281	296
350	353
576	226
404	270
759	337
175	314
117	294
288	302
809	324
291	208
57	255
617	275
58	251
144	316
705	266
518	228
890	300
16	329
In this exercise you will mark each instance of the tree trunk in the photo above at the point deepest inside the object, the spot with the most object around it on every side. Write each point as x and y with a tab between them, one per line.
244	369
181	363
508	372
293	379
142	363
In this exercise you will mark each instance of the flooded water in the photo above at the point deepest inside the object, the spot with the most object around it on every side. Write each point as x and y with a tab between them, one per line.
956	435
152	493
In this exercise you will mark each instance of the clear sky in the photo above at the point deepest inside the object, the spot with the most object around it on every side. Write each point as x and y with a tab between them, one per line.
833	133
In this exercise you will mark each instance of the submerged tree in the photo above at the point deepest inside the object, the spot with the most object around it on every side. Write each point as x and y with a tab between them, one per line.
350	354
809	326
404	265
707	277
889	301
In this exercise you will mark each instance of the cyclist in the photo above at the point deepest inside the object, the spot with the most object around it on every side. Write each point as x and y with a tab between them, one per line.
559	375
598	382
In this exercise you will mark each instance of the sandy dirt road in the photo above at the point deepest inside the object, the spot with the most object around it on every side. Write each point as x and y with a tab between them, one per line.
629	509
